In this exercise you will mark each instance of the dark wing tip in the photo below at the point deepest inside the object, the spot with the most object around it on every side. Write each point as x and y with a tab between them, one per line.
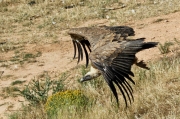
75	48
85	51
80	46
80	43
112	77
125	89
111	86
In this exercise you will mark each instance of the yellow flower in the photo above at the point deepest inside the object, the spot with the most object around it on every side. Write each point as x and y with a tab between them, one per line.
65	99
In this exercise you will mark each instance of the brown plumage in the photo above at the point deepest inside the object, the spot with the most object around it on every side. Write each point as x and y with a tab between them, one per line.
111	53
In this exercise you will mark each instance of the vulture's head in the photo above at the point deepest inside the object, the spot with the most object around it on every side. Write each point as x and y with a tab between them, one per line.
93	73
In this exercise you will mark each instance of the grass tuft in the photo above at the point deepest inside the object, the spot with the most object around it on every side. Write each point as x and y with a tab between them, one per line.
165	48
17	82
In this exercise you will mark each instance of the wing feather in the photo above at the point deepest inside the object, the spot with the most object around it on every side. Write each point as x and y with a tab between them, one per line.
114	60
129	88
74	44
123	30
118	80
86	53
122	92
79	51
125	75
111	85
124	65
79	47
126	71
125	87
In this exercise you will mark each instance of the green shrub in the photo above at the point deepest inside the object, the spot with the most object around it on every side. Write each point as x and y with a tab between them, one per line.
38	90
70	100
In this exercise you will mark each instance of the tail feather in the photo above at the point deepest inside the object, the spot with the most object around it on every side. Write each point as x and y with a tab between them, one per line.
149	45
140	45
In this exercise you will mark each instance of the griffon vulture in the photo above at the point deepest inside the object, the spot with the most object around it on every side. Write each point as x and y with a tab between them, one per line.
111	53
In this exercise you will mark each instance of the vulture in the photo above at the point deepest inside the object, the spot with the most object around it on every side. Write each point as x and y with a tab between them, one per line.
112	53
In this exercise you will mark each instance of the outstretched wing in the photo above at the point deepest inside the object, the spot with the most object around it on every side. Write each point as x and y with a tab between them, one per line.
87	37
114	60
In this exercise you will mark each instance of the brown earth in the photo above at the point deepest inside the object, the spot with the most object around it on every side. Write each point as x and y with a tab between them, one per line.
57	57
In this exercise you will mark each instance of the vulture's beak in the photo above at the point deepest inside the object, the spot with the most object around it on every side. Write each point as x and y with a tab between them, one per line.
86	78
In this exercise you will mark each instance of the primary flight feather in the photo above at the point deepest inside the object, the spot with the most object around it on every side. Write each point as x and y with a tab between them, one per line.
111	54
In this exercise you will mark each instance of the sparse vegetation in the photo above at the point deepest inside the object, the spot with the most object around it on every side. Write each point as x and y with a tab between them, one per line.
156	95
11	91
24	23
29	112
17	82
158	20
177	41
37	91
164	49
20	58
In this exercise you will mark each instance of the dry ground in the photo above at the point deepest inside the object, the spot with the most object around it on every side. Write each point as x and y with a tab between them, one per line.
57	57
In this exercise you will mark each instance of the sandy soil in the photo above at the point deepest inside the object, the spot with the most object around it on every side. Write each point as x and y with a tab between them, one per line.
57	57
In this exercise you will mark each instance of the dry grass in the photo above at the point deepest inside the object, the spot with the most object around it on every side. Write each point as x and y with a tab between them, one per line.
156	95
156	91
21	22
